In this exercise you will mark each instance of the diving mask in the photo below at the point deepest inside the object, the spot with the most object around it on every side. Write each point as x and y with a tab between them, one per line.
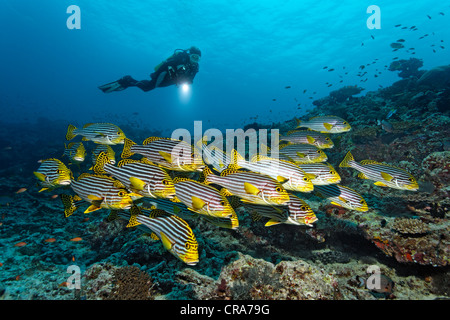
194	57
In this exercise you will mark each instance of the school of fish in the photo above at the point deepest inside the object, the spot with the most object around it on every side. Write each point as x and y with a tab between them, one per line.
170	181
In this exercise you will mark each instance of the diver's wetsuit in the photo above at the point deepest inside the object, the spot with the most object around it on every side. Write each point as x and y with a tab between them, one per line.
175	70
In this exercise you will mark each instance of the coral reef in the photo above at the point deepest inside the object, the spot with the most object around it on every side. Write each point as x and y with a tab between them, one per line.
408	68
408	226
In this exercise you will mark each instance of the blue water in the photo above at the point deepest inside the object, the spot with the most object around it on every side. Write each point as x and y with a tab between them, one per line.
251	50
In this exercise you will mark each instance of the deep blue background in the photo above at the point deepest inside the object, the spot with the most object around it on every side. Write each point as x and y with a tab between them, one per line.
251	50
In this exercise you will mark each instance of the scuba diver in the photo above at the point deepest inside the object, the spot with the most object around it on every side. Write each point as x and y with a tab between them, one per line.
180	68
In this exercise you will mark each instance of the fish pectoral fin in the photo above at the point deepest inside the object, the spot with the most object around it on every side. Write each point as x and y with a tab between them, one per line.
328	126
282	180
197	203
387	176
272	222
166	241
44	189
336	204
300	155
380	184
310	176
40	176
166	156
175	199
251	189
94	197
343	200
310	139
137	183
92	208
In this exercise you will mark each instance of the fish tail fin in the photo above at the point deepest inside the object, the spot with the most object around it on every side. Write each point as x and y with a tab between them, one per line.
70	132
69	205
348	157
205	176
126	153
99	167
235	157
298	122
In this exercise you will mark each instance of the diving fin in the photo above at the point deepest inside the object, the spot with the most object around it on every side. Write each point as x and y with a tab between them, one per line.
118	85
112	86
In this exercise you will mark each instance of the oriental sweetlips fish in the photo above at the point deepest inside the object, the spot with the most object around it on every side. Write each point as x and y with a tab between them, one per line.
287	173
101	192
167	153
321	173
342	196
52	173
325	124
201	198
316	138
103	133
302	153
251	187
106	149
75	151
140	176
385	175
296	212
175	234
181	210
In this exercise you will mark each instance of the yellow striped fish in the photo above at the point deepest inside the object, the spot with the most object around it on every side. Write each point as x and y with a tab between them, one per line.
167	153
175	234
75	151
181	210
342	196
106	149
297	212
326	124
301	153
143	178
321	173
315	138
104	133
103	192
214	156
52	173
385	175
201	198
249	186
288	174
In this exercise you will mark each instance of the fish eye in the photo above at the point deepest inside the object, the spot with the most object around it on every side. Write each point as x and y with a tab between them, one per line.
362	202
345	122
165	182
411	179
305	179
303	208
328	139
278	189
332	172
222	203
121	193
319	151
